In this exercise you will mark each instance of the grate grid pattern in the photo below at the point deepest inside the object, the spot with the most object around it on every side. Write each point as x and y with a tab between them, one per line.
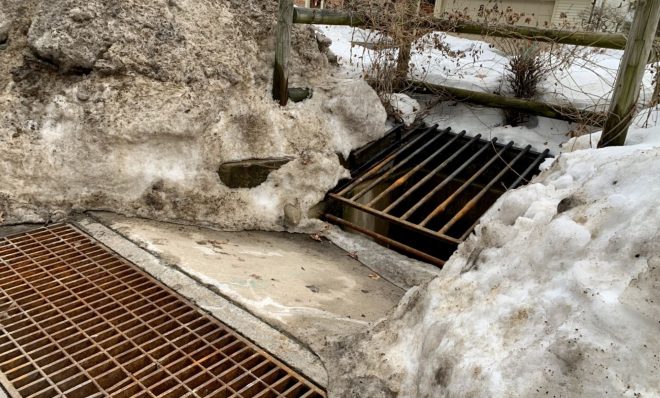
430	187
76	320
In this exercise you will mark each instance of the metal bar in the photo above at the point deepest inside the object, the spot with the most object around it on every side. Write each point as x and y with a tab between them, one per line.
88	323
397	166
454	195
385	161
520	179
532	167
396	220
384	239
402	180
376	158
473	202
431	174
447	180
394	129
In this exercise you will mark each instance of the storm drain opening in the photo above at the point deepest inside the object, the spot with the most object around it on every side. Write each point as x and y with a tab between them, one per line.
77	320
423	192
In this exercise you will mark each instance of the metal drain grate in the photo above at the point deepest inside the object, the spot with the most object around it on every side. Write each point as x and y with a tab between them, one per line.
426	192
76	320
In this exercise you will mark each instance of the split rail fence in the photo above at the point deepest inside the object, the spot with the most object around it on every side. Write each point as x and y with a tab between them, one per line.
637	46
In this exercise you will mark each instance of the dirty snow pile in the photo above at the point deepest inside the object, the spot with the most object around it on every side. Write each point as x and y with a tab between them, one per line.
132	106
556	295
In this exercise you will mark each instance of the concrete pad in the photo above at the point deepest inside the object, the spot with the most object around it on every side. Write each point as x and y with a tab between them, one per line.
6	230
282	346
308	289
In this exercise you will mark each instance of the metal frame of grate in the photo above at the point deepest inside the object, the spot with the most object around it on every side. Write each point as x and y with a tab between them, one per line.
77	320
433	183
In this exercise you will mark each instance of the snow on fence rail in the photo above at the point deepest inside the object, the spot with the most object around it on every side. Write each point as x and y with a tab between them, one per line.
637	50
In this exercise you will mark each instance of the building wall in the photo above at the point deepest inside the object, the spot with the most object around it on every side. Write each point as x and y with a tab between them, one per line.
571	9
327	3
537	12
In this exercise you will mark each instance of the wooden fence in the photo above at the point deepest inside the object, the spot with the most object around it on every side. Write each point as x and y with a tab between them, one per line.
637	48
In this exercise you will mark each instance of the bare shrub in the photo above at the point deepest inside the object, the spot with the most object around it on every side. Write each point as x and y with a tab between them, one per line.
525	72
607	17
523	75
396	25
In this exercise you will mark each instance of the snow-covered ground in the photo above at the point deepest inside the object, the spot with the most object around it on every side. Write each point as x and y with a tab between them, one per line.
586	82
556	294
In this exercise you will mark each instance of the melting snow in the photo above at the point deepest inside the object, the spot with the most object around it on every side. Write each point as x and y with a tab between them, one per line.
556	293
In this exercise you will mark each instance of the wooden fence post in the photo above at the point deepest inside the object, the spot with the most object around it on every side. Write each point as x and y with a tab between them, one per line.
631	71
282	48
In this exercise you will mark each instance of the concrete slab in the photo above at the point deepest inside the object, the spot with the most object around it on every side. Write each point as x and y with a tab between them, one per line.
306	288
283	346
6	230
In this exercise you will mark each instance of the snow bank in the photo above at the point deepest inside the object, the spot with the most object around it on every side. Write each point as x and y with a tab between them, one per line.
539	132
132	107
404	108
555	295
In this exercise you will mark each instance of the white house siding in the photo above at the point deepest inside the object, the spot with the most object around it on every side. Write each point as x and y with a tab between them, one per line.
541	12
574	11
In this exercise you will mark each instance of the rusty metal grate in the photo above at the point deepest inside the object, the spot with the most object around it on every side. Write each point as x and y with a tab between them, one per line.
77	320
426	191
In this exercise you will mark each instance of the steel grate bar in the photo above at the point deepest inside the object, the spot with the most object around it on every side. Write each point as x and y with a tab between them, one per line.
380	165
444	182
394	219
83	322
530	169
473	202
432	189
521	178
432	173
402	180
398	165
442	206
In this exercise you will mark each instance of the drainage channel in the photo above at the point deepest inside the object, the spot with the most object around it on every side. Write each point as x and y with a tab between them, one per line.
77	320
423	192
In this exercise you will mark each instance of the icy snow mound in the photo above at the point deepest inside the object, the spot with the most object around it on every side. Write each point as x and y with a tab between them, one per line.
132	106
556	295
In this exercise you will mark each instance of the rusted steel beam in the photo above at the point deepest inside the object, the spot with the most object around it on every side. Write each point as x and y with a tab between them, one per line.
432	173
386	240
473	202
402	180
442	206
395	220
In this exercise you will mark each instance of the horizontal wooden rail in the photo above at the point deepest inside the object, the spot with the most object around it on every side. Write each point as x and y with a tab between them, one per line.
591	39
562	112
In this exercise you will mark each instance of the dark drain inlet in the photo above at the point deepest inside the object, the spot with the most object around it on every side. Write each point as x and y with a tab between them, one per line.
425	193
76	320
